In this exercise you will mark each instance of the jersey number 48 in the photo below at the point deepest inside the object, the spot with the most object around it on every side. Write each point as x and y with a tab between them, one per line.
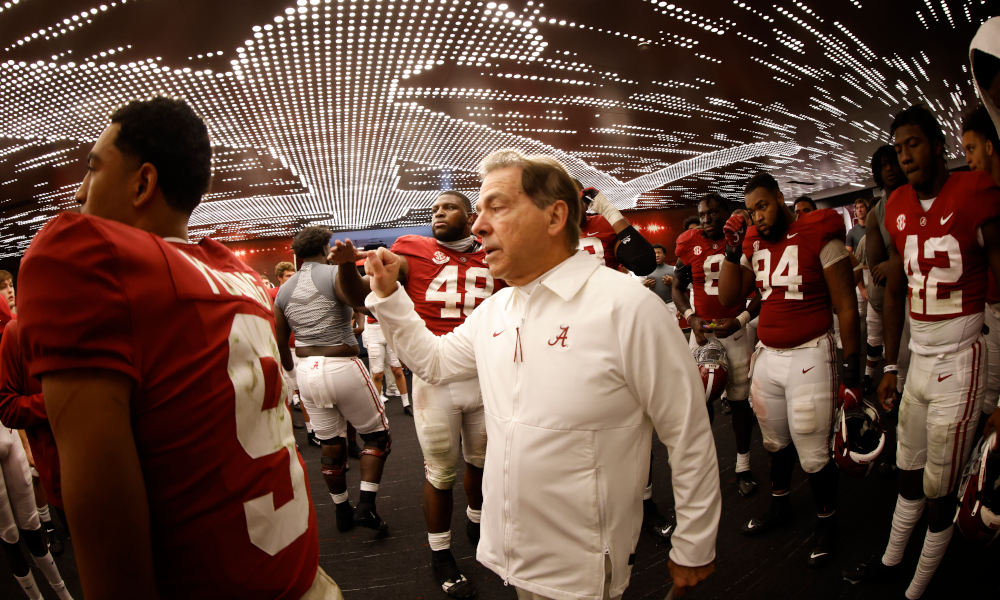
444	288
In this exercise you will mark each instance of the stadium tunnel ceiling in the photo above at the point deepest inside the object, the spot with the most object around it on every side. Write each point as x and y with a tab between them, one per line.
352	113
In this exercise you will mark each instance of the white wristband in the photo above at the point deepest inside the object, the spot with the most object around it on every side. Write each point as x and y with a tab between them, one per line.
891	369
688	313
744	318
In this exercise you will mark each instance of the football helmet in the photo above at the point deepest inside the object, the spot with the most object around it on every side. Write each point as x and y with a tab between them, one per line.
858	439
714	367
979	496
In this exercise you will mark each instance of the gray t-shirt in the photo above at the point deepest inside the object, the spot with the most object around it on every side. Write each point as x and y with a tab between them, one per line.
310	305
854	236
663	291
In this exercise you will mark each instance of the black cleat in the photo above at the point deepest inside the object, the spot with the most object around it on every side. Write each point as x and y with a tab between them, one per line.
353	450
408	410
726	408
472	532
825	542
772	519
313	440
873	570
366	516
53	539
345	516
451	580
746	483
654	522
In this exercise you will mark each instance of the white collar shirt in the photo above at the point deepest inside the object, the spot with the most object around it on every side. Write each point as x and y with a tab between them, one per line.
574	375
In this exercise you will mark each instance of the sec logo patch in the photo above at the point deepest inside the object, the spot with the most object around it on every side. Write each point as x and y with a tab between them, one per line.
697	250
901	222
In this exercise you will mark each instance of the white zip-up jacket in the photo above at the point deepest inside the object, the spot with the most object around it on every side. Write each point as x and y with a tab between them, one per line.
574	377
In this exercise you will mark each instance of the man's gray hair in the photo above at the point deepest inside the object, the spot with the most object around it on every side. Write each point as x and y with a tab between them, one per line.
545	181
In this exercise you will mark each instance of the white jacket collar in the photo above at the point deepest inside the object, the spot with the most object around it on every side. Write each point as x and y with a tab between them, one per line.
566	278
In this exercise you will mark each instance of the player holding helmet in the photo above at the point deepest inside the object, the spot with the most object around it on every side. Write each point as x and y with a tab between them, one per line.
800	268
700	254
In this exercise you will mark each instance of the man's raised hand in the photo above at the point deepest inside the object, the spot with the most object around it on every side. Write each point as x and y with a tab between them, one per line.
382	267
344	252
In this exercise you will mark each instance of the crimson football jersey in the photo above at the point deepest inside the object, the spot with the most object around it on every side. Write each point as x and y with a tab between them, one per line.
230	511
23	407
598	237
705	257
945	265
445	285
795	302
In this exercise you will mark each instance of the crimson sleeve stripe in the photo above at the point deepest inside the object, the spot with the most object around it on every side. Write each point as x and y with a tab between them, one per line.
371	389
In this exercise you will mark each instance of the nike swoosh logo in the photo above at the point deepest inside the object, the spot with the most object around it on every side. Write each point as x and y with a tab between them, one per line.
817	554
946	219
804	371
499	332
940	379
791	235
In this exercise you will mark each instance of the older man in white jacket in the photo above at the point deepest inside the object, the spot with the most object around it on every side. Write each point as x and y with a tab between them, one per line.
577	365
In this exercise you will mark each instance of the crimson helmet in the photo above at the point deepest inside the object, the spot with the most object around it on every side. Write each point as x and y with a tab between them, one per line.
714	367
858	439
976	517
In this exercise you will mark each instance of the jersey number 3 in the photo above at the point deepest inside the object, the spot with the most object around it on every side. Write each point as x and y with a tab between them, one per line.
264	428
444	288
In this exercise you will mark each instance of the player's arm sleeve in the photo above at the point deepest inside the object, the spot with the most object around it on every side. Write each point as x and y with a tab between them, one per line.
17	410
834	251
635	252
671	393
435	359
75	309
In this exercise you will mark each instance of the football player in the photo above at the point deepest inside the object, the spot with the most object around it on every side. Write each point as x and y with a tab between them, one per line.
982	153
803	205
447	278
945	238
164	390
378	355
7	290
610	237
700	254
335	385
800	268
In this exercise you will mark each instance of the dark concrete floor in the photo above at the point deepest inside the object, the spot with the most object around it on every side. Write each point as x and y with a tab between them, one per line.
397	567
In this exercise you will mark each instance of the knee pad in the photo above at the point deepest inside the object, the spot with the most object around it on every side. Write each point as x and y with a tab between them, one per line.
874	352
782	463
334	465
378	444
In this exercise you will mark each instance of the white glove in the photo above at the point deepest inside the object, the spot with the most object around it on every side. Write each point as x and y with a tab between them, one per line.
601	206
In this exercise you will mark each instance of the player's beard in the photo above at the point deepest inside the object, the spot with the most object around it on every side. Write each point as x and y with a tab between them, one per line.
778	229
451	234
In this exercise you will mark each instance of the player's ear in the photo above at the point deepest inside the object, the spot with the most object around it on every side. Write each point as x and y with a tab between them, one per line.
989	147
781	198
145	184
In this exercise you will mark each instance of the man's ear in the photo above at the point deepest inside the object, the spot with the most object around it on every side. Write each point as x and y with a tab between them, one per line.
558	213
781	198
989	148
471	218
145	184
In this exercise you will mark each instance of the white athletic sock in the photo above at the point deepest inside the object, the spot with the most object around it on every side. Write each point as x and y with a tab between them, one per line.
440	541
474	515
367	486
904	519
648	492
339	498
935	545
742	462
43	513
309	427
29	586
51	571
406	399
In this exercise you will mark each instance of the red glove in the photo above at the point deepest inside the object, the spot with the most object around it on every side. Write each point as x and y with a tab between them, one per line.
735	230
849	397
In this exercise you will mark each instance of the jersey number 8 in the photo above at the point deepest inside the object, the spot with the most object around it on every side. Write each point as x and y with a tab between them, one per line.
264	428
444	288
